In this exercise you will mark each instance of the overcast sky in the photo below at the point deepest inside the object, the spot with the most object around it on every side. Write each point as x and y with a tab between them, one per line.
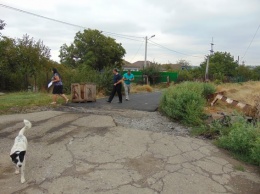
183	29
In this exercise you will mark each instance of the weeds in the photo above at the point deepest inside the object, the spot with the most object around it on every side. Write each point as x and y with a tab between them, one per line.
140	88
239	168
185	102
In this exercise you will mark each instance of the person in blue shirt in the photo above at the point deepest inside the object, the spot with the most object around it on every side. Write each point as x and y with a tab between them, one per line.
117	86
128	78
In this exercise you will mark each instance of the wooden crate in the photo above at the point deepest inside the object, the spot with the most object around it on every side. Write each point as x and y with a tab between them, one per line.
83	92
90	92
76	95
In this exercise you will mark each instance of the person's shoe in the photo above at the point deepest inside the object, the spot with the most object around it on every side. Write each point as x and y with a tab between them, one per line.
53	103
119	102
108	101
127	99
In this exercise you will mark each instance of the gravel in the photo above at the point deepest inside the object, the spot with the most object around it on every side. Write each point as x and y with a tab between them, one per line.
142	120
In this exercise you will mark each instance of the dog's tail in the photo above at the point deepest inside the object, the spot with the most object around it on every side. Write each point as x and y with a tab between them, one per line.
27	125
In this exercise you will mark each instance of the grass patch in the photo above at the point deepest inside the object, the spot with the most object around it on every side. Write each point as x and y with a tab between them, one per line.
141	88
206	131
21	100
239	168
243	92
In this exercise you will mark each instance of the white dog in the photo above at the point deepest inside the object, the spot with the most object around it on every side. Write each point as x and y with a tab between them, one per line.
18	150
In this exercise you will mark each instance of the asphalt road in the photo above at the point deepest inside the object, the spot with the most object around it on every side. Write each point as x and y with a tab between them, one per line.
142	101
101	152
103	148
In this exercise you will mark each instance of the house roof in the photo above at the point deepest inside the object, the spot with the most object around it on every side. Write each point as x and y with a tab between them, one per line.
137	64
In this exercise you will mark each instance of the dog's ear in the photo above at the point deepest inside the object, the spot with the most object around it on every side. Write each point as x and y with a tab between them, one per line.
21	155
14	157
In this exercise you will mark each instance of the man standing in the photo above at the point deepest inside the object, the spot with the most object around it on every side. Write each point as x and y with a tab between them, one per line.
128	77
116	87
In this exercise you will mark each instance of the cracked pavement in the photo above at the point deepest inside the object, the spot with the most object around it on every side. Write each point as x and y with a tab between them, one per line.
117	152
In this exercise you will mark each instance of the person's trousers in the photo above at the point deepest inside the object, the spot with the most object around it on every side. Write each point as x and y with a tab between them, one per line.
127	90
116	89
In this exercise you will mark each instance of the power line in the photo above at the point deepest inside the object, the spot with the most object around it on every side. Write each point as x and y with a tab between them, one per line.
66	23
161	46
164	47
251	41
136	52
129	37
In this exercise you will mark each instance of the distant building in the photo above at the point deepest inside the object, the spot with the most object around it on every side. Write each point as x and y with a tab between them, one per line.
139	65
136	66
176	67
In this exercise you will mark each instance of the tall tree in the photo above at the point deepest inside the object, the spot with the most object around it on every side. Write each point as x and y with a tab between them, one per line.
220	63
244	72
7	62
256	73
183	62
153	72
94	49
32	56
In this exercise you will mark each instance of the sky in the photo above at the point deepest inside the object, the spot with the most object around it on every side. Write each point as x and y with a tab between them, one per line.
183	29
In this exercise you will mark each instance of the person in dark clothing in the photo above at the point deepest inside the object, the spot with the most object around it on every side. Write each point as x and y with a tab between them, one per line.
116	87
58	87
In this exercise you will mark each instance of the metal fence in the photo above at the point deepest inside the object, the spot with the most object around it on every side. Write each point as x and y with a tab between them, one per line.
164	77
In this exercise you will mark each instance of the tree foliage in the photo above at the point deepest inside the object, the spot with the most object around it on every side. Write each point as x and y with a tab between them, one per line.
93	49
20	61
183	63
153	72
220	64
7	61
222	68
2	25
256	73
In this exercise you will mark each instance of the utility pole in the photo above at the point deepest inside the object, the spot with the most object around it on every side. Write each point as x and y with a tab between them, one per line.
211	50
207	65
207	70
145	55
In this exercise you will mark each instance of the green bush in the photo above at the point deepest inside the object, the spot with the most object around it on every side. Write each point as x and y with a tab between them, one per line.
210	131
105	80
184	75
185	102
243	139
86	74
214	129
153	73
255	151
208	89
